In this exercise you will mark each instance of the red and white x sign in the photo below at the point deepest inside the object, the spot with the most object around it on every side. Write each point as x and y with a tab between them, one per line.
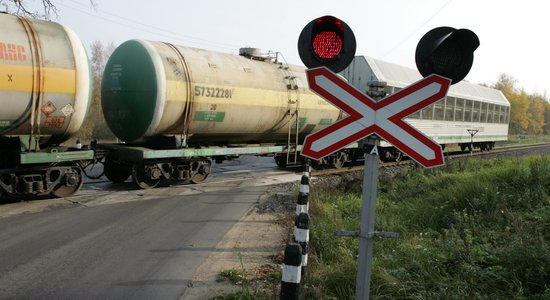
384	118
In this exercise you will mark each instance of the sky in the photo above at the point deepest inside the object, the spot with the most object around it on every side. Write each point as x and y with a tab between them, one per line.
513	34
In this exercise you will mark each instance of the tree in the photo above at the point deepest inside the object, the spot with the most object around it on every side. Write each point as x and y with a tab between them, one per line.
546	128
519	103
529	113
506	84
536	114
95	126
24	8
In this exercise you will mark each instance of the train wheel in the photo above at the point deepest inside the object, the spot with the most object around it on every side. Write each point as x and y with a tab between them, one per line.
464	147
280	161
200	169
144	177
399	156
116	172
70	183
339	160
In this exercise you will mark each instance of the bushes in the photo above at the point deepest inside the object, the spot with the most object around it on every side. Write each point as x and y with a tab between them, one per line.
474	229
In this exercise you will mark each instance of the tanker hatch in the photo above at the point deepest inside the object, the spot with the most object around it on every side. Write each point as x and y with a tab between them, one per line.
253	53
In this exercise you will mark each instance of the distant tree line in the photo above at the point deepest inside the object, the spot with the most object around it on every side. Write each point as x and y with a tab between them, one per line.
529	113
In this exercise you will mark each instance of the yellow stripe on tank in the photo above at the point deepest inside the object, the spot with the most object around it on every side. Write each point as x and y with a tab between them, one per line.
219	94
19	78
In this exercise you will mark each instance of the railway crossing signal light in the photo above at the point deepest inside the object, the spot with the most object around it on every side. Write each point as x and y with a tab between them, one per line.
327	41
446	51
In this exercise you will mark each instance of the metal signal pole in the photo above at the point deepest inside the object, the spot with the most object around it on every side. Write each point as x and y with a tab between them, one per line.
368	213
368	206
367	232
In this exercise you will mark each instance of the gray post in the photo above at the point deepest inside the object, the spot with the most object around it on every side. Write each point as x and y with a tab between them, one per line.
367	232
472	132
368	206
368	210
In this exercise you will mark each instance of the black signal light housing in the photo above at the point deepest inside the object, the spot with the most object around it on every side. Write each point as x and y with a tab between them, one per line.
327	41
446	51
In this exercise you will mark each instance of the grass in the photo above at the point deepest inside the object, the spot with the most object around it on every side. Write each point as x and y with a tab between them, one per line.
515	139
476	229
263	283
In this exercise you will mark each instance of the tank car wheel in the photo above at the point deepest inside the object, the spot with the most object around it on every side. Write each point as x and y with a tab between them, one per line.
339	160
199	171
399	156
141	175
72	183
116	172
280	161
465	147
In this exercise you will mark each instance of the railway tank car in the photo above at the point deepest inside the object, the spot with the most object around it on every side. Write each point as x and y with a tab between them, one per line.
45	93
154	88
167	102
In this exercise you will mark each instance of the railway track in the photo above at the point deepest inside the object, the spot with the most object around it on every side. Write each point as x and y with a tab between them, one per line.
387	167
519	150
252	167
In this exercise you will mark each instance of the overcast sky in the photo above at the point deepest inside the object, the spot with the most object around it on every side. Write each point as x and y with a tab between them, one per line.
513	34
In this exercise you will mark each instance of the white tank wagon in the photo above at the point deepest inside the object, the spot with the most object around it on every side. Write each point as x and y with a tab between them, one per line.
470	115
45	83
178	107
153	89
45	93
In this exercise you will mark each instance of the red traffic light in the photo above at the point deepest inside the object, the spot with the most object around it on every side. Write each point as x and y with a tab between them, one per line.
446	51
327	45
327	41
327	34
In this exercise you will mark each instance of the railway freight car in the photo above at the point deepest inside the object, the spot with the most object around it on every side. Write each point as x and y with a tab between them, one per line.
45	93
177	107
470	116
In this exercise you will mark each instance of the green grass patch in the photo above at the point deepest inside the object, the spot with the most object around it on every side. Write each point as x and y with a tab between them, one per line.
476	229
514	139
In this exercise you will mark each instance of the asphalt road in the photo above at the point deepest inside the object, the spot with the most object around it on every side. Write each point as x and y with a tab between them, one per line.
139	250
125	244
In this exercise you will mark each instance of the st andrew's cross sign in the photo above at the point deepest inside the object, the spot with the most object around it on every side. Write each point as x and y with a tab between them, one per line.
365	116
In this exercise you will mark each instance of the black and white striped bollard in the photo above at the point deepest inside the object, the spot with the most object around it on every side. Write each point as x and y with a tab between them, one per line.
292	272
301	235
302	205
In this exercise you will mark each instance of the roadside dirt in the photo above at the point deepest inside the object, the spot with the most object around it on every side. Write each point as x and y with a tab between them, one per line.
254	246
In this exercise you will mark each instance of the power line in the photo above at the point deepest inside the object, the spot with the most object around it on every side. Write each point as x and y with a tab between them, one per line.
417	29
147	28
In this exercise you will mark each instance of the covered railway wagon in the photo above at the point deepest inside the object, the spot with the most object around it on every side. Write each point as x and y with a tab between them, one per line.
175	107
471	115
45	93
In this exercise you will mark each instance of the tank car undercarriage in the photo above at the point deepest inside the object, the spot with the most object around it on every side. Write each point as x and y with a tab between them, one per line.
150	173
25	169
59	181
335	160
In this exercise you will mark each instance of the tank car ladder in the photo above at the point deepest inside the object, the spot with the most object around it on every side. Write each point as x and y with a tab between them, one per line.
293	112
38	80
